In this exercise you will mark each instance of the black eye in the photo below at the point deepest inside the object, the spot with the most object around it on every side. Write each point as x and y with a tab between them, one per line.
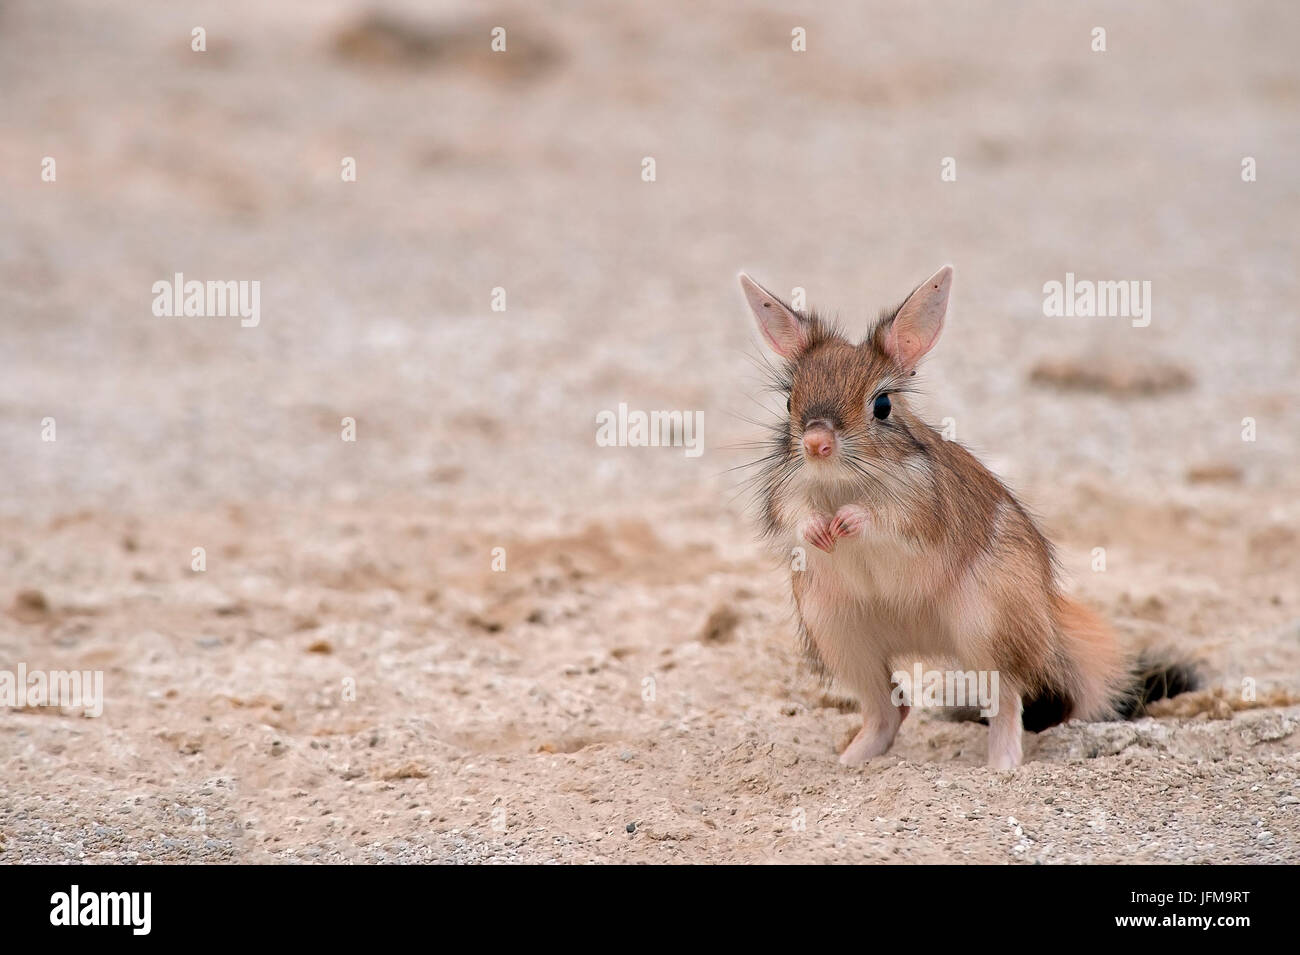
787	404
880	407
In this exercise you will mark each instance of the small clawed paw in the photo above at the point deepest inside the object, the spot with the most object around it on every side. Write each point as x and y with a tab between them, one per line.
817	531
848	521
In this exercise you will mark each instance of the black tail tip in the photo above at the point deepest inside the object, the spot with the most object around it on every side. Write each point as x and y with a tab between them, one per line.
1151	680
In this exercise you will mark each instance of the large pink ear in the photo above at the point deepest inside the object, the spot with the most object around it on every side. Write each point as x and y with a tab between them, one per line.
918	323
785	331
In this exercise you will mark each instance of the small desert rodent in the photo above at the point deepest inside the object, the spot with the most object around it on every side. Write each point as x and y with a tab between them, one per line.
917	549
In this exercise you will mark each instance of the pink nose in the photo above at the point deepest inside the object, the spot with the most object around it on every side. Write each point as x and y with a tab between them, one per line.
818	442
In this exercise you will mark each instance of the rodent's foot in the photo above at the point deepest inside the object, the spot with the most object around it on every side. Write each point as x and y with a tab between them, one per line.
849	521
872	740
816	530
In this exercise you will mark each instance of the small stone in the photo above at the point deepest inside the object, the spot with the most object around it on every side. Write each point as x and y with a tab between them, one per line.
1214	472
720	627
30	605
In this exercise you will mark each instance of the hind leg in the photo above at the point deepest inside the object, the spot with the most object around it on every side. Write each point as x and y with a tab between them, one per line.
1006	731
880	722
842	631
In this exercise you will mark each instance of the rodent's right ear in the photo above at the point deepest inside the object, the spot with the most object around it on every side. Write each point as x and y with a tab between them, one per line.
785	331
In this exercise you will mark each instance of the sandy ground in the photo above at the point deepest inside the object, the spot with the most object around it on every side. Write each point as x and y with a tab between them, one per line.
350	680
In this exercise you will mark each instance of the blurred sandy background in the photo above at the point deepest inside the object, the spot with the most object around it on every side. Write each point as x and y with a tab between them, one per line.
502	716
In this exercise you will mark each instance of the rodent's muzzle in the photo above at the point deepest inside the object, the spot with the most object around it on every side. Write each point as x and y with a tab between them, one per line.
818	439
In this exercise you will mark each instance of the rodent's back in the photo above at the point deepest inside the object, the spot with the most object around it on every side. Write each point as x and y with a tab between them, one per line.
973	513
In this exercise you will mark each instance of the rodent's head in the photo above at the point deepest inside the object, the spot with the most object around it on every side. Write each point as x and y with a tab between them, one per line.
847	402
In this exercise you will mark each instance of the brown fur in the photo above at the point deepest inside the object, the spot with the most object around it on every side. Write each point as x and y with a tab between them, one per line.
949	548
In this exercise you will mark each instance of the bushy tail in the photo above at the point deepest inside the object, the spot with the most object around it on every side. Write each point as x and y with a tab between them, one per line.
1152	679
1093	682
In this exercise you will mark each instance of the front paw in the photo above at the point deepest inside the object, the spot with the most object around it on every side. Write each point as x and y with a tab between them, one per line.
816	530
849	521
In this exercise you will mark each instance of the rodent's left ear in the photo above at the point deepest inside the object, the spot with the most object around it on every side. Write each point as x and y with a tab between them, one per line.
918	323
